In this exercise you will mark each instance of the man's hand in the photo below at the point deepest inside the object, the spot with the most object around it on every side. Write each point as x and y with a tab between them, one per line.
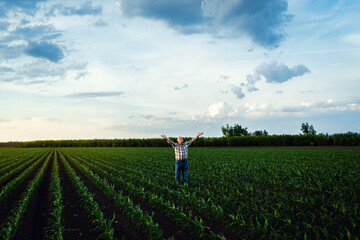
164	136
199	134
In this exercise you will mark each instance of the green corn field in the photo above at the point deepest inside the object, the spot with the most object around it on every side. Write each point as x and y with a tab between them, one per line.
130	193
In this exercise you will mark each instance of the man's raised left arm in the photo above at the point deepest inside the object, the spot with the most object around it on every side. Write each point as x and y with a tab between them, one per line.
198	135
194	138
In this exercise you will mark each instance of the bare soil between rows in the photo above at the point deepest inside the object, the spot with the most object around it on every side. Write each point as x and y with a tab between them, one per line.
15	196
35	219
169	227
174	231
123	227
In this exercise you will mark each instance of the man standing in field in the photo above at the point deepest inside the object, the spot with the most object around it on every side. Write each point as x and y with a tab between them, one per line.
181	154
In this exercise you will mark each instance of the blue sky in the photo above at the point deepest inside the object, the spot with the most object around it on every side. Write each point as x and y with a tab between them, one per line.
137	69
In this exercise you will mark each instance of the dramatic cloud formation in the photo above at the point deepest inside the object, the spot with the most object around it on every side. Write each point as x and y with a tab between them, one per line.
37	39
262	21
33	41
45	50
114	69
273	72
182	15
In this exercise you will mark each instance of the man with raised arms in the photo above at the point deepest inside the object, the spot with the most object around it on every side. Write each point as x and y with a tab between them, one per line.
181	155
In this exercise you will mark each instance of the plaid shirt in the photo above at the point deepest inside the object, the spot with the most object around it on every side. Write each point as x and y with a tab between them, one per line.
181	150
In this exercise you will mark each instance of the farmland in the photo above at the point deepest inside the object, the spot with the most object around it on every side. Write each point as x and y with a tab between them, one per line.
129	193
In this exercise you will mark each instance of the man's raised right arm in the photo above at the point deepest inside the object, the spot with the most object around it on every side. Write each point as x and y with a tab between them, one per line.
168	140
164	136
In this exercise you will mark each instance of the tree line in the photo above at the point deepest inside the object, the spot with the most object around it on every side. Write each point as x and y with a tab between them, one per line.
344	139
233	136
238	130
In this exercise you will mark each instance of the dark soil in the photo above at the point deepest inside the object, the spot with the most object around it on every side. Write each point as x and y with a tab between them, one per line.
123	227
76	222
12	177
169	227
9	203
35	219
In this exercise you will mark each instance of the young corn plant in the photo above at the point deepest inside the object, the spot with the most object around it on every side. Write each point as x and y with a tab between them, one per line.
194	225
140	218
10	186
55	226
102	225
9	230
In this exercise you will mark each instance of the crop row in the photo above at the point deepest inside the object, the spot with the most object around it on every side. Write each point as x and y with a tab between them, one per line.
165	201
289	194
103	225
140	218
10	186
9	229
55	226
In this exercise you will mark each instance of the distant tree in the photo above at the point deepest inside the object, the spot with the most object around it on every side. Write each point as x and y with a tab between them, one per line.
236	130
260	133
225	130
308	129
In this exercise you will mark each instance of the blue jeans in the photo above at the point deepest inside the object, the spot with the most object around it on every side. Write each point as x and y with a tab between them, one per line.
181	167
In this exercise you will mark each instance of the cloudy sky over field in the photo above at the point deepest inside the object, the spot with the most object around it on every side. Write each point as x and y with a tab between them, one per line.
124	68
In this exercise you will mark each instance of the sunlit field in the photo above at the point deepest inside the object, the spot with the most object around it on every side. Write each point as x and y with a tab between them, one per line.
130	193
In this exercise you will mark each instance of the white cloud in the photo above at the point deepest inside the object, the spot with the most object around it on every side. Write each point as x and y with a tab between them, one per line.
217	111
275	72
317	107
272	72
220	109
223	111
